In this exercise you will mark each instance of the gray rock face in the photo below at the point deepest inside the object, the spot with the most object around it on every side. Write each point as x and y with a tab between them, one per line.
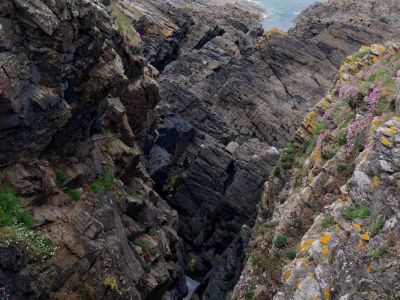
234	83
72	95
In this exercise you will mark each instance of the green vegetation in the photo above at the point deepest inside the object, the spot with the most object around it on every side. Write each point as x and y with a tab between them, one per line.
147	268
62	3
298	222
291	254
264	228
331	258
288	156
129	191
60	178
361	54
146	247
341	138
104	182
378	225
73	194
249	291
16	224
281	241
328	154
11	212
341	167
328	222
349	213
113	135
191	262
375	252
276	171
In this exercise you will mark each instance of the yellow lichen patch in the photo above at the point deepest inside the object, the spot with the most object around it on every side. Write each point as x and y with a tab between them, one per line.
315	298
327	293
386	142
310	117
396	118
393	130
325	239
368	269
376	122
287	274
305	245
365	236
380	48
357	227
109	283
337	227
360	246
364	48
325	250
375	181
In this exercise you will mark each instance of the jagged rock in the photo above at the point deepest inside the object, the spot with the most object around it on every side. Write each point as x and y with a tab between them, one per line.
338	222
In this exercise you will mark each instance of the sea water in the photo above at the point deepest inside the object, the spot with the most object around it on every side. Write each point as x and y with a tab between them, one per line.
282	13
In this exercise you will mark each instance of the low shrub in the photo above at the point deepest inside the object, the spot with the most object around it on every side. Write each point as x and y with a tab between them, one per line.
73	194
281	241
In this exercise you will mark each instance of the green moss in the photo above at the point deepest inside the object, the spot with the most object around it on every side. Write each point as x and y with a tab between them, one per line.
281	241
328	222
73	194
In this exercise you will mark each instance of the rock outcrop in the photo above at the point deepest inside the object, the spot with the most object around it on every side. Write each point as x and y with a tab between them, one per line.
333	233
240	88
75	97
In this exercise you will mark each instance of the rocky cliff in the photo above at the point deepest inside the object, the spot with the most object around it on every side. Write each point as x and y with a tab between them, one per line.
78	216
242	93
328	223
114	185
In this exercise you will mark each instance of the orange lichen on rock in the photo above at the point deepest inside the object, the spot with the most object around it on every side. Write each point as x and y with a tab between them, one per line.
368	269
287	274
325	239
365	236
357	227
305	245
325	250
386	142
